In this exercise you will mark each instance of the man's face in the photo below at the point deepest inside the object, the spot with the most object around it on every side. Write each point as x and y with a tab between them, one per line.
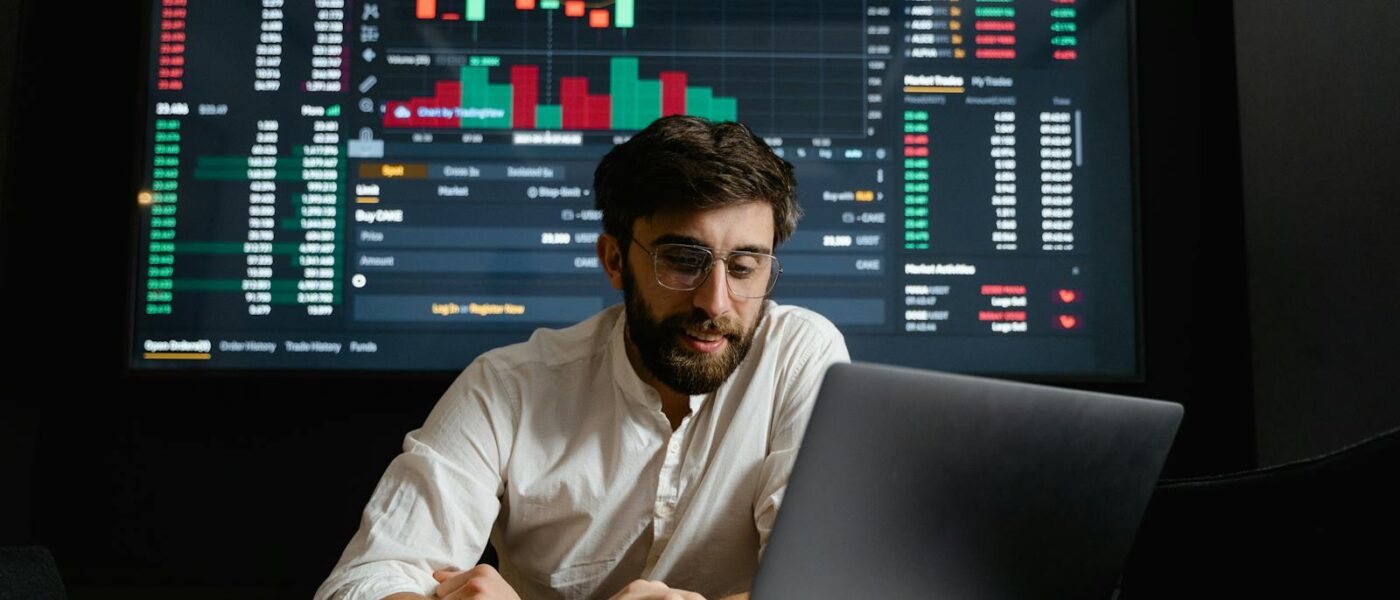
693	340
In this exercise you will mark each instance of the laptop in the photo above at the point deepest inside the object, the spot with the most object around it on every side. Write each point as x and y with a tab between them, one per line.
920	484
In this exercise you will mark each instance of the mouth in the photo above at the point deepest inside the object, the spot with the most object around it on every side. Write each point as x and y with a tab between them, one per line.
703	341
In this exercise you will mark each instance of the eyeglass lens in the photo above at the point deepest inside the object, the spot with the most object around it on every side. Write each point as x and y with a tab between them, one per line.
683	267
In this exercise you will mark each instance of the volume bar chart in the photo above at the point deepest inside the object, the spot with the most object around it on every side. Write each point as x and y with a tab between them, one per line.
474	102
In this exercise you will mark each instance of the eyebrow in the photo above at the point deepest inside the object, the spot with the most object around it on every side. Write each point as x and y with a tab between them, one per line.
676	238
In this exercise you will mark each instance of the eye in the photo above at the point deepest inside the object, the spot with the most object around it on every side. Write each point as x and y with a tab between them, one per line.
744	265
682	259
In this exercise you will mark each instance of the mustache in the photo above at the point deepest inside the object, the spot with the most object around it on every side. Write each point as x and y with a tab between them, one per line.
698	321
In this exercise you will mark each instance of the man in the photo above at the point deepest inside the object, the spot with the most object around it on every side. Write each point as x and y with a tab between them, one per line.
642	453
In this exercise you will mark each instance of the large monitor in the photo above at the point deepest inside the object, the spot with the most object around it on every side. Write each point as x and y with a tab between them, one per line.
400	185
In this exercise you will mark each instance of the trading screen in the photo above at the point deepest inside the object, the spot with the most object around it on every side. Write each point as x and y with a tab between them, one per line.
404	184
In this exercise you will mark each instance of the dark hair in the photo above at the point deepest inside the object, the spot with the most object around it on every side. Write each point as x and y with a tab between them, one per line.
690	163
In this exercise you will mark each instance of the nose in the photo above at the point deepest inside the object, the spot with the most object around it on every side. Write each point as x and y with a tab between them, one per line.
713	294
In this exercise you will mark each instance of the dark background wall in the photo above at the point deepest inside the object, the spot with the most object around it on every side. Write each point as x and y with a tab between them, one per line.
1319	91
235	486
8	19
16	422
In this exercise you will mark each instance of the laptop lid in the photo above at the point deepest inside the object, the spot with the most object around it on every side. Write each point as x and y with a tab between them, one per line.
920	484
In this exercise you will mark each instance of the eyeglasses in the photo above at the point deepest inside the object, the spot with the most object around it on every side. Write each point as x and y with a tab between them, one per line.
683	267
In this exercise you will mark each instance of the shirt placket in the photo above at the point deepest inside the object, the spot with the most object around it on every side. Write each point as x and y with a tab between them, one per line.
668	491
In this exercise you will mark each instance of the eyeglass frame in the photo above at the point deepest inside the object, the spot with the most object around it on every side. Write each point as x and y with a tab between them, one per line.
709	267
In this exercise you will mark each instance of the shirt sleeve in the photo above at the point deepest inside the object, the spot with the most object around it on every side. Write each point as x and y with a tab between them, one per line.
436	503
825	346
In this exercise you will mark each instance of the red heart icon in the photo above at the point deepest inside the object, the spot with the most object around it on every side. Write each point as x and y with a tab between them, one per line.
1068	321
1068	296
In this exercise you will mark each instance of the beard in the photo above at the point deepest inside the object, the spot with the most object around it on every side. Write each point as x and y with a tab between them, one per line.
680	368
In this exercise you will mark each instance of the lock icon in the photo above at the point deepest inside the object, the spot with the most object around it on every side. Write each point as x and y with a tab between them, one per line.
366	146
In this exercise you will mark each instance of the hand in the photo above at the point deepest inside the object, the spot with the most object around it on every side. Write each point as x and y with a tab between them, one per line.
481	582
642	589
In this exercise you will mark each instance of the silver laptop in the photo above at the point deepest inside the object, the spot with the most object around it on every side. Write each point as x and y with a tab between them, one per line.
919	484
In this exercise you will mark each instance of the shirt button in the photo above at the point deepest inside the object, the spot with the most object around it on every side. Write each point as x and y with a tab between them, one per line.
664	510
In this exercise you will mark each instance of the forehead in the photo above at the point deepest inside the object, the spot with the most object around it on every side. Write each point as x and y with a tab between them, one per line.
745	226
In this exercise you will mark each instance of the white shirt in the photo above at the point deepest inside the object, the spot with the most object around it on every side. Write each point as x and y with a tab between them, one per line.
559	452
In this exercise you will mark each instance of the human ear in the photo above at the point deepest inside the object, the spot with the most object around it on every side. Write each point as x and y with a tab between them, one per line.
610	256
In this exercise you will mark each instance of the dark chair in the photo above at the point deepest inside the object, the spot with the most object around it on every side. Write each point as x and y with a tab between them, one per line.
1327	526
29	573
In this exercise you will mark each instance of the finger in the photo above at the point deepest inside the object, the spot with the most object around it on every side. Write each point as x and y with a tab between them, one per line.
467	592
456	580
634	589
445	574
477	584
485	570
452	583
